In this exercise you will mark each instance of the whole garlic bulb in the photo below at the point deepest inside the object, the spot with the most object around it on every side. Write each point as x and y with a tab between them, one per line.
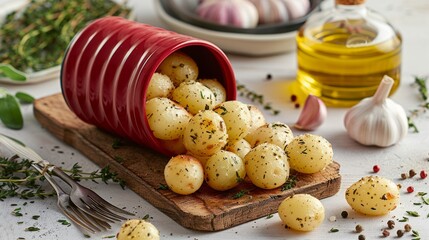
377	120
238	13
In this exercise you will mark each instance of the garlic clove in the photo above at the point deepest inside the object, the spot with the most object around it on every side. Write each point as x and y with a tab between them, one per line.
378	120
312	115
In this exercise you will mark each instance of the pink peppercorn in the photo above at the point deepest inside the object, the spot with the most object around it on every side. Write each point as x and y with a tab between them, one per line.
376	168
423	174
410	189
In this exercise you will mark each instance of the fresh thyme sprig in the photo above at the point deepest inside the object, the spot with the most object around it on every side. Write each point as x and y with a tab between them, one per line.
423	107
19	179
256	98
104	174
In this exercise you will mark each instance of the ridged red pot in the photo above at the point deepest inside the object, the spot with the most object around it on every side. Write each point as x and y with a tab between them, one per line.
108	66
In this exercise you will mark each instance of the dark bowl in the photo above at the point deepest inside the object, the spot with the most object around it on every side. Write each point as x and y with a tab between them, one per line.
184	10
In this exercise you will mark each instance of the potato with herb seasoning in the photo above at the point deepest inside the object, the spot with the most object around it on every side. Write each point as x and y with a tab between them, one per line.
237	118
373	195
276	133
258	118
166	118
267	166
302	212
138	229
309	153
160	85
205	134
194	97
217	89
224	170
184	174
179	67
240	147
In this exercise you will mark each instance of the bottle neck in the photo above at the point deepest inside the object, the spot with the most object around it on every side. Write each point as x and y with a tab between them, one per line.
348	8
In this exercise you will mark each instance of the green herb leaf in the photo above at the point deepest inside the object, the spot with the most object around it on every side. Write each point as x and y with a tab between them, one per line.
24	97
32	229
10	72
413	213
334	230
290	183
10	112
240	194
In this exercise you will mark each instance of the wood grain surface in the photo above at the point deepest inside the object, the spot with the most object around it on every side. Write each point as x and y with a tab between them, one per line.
142	170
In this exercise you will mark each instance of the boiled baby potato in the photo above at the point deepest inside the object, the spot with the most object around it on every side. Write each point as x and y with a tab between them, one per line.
301	212
184	174
137	229
166	119
194	96
267	166
309	153
240	147
373	195
179	67
217	89
276	133
205	134
224	170
258	118
160	85
237	118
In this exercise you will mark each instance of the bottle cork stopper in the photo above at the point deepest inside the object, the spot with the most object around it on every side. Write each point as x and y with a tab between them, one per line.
349	2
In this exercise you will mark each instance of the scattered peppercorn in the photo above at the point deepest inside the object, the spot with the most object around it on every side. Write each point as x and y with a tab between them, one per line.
410	189
399	186
359	228
344	214
269	76
361	237
296	105
404	176
391	224
407	227
386	233
376	168
400	233
423	174
293	97
412	173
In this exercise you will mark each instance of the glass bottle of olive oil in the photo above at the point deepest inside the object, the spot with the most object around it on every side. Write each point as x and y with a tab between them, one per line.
343	53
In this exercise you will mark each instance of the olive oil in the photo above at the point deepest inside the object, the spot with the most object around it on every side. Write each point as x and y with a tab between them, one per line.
343	59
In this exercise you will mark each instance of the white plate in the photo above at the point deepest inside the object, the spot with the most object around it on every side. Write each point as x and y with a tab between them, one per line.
245	44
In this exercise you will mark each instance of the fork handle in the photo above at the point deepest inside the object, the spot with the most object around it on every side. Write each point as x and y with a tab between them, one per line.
66	178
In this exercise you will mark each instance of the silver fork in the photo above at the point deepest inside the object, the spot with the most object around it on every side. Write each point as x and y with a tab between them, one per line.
97	210
68	208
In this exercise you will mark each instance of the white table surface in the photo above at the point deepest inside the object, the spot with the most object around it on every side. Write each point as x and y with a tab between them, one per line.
409	16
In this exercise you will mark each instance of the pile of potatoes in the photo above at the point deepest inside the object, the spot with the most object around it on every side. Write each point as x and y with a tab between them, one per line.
218	141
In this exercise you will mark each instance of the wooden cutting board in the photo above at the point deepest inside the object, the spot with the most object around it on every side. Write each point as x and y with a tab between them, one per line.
142	170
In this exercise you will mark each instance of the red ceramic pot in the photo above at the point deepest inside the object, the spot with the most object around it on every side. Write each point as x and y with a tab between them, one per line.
108	66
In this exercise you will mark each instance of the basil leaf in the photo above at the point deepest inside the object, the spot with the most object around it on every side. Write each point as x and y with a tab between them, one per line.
12	73
10	112
24	97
